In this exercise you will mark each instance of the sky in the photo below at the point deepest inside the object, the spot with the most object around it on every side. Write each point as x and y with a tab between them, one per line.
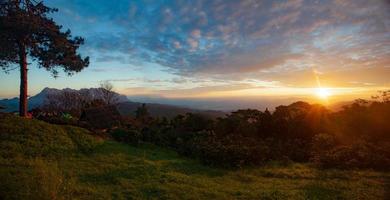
248	50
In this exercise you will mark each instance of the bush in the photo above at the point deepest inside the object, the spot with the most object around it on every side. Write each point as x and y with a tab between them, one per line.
297	150
130	136
360	154
321	145
227	152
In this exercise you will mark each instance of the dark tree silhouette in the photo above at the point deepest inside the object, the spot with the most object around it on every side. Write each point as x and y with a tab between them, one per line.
27	31
142	113
107	93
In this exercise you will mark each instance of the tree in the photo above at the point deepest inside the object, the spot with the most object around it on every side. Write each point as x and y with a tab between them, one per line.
27	31
62	101
142	113
107	93
383	96
70	101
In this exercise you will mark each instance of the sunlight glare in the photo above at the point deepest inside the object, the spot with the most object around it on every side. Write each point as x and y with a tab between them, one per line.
323	93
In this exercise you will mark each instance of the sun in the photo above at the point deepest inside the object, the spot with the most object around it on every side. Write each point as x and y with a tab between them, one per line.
323	93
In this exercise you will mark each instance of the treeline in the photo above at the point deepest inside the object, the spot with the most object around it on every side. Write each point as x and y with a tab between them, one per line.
358	136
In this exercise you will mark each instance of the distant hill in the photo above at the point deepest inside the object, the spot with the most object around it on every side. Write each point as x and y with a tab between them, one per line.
162	110
10	105
125	106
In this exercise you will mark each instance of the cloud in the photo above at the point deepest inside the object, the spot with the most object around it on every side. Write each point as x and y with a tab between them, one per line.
99	70
196	33
289	4
121	80
193	44
144	80
211	38
199	91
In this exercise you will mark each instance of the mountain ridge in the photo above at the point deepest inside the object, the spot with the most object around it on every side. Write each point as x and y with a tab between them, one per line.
125	106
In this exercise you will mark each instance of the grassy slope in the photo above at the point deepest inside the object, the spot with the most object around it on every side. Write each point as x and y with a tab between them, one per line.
44	161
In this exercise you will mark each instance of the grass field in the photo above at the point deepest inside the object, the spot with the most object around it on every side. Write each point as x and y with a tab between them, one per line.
44	161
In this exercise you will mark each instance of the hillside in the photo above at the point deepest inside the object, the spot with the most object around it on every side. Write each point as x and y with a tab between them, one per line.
44	161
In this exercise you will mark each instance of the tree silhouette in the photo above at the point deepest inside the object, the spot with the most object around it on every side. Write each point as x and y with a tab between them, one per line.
142	113
107	93
27	31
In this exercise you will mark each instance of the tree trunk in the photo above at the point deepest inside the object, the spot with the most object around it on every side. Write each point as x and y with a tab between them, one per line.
23	81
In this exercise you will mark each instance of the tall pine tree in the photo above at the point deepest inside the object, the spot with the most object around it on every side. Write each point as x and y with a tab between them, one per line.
26	31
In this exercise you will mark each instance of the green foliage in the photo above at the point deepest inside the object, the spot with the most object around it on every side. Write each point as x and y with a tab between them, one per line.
322	144
361	154
245	137
67	116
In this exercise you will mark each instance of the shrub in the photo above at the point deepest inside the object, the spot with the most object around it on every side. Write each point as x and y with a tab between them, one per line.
228	151
360	154
130	136
321	145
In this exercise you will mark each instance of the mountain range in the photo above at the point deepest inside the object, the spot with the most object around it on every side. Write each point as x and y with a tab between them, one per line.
124	105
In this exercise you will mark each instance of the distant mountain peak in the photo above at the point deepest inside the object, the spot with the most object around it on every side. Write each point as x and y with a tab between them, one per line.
37	100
